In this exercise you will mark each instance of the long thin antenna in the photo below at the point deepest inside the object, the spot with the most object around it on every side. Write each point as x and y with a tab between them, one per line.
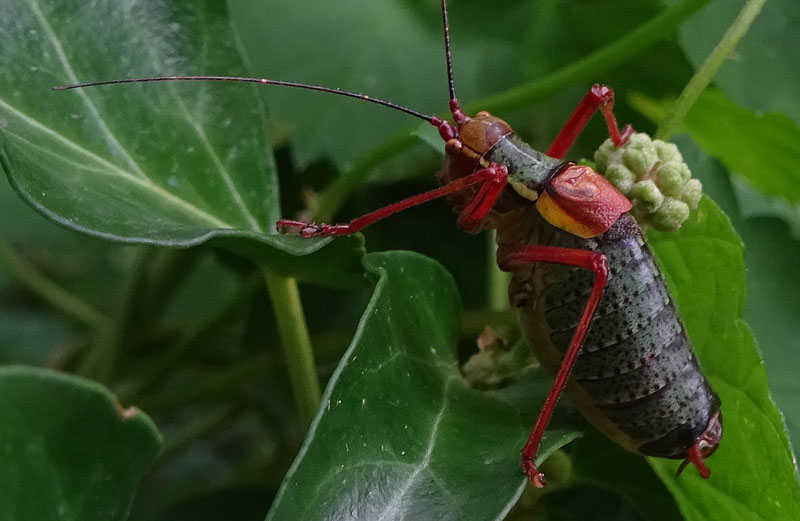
448	55
262	81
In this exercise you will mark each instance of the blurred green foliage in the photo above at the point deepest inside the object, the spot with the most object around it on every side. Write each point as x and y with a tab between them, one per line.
189	335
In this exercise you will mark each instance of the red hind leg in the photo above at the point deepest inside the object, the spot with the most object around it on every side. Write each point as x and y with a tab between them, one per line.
491	179
586	259
599	96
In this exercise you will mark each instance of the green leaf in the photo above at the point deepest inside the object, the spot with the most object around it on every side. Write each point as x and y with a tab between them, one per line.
28	337
762	74
753	203
400	434
753	475
67	449
772	281
173	164
385	49
762	148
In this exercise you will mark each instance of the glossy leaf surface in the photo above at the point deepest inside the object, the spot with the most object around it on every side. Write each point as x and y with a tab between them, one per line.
704	266
69	451
401	435
173	164
759	150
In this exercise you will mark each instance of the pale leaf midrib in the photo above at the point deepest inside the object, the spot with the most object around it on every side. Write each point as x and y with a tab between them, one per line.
212	153
59	50
114	170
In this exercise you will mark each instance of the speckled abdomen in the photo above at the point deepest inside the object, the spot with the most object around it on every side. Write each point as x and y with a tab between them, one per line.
636	377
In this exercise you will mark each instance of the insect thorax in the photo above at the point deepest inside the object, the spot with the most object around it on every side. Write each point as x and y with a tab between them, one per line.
528	169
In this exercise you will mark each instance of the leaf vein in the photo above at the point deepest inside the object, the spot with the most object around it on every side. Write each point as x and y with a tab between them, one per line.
144	182
62	57
391	508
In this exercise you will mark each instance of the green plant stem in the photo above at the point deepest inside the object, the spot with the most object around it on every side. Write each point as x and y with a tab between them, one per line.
200	428
101	360
497	290
175	352
590	67
215	386
328	347
331	199
295	342
58	297
167	270
669	125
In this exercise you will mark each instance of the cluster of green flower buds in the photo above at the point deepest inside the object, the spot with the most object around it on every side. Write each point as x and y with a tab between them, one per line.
652	174
497	364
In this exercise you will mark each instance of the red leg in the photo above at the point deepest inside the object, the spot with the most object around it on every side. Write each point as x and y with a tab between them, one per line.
599	96
481	204
589	260
492	180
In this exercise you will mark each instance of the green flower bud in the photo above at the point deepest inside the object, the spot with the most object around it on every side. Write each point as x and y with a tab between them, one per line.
672	176
670	215
647	196
667	151
481	371
639	140
603	155
652	174
692	193
621	178
636	160
640	215
496	364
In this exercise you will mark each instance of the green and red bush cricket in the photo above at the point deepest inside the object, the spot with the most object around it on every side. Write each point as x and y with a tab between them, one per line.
592	301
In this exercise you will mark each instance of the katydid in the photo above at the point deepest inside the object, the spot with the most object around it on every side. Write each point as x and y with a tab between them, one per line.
593	303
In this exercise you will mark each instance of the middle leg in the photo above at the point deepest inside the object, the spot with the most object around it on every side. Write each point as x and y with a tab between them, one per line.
590	260
599	96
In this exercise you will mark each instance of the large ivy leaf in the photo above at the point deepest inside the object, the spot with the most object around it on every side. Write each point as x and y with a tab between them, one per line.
772	281
761	150
401	435
172	164
753	470
67	449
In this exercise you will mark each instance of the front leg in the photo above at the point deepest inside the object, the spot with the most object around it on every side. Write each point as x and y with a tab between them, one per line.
491	179
590	260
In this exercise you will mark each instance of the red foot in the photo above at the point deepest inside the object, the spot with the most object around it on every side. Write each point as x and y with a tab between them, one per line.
308	230
586	259
534	474
491	179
